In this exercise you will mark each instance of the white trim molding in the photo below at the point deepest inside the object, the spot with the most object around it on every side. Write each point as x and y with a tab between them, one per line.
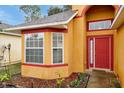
9	33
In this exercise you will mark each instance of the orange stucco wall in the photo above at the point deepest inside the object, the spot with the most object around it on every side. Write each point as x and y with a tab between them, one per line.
79	45
82	9
120	54
44	72
69	47
100	12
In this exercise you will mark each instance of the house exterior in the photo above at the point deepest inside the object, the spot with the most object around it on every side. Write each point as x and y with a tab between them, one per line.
86	37
9	38
15	51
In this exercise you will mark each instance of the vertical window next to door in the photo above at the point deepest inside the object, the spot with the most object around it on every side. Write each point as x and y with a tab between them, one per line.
91	51
57	48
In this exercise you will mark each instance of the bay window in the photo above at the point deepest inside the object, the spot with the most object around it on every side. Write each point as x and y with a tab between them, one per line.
57	48
34	49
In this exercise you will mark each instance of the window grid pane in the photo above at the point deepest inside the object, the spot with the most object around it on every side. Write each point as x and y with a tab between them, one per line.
57	48
34	48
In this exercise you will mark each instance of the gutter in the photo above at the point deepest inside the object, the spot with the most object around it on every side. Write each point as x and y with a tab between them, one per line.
42	25
8	33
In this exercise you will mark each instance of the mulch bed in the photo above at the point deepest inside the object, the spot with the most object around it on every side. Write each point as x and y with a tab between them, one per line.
28	82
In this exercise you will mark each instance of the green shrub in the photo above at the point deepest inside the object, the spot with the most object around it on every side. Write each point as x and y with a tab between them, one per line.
59	82
75	83
81	76
5	77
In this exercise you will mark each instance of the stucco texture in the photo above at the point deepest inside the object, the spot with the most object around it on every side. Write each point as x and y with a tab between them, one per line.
120	54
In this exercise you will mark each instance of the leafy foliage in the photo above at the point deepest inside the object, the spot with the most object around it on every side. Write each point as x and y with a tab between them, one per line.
5	77
9	71
81	76
114	83
32	12
54	10
67	7
59	82
77	82
1	30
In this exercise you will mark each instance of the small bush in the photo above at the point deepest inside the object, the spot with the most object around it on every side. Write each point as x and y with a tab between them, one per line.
75	83
59	83
82	76
5	77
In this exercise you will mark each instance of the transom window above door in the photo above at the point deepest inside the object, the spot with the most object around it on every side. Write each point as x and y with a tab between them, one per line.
34	48
99	25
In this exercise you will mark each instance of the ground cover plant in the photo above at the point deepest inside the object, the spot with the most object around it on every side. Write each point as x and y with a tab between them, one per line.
28	82
7	72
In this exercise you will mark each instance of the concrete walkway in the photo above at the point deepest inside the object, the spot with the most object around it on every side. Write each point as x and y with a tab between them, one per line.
102	79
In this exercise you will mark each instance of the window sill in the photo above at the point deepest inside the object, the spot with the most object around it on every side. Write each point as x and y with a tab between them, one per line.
43	65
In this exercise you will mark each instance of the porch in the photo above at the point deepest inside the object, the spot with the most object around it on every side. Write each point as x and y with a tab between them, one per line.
103	79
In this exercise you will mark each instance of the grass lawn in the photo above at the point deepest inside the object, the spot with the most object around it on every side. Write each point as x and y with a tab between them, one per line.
14	69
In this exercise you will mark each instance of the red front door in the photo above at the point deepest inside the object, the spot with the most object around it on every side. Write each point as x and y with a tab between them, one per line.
100	52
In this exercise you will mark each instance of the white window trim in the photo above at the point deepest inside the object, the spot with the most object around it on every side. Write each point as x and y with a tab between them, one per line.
34	48
57	48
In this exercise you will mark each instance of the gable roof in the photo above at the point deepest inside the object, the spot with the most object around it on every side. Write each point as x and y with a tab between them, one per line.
4	25
53	20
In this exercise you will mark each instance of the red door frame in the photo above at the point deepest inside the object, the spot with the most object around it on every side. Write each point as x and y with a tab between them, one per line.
112	46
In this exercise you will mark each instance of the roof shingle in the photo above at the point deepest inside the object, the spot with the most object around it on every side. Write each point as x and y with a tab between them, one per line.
60	17
3	25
